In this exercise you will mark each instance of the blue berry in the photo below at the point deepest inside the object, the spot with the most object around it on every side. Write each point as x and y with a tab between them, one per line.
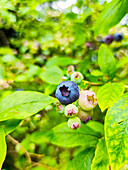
19	89
67	92
108	39
118	36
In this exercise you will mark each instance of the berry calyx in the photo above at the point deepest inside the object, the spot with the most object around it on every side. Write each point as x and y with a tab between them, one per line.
74	123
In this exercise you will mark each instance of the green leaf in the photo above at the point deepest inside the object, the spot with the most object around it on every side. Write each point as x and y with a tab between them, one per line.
110	16
108	94
8	58
64	136
116	133
49	89
96	126
83	160
2	72
106	61
61	61
33	70
101	159
6	50
22	78
3	147
79	38
9	125
52	75
22	104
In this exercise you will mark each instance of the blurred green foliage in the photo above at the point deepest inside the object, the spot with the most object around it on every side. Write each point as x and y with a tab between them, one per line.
38	40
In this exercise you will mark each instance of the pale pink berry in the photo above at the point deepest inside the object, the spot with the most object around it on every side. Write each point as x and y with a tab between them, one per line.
87	100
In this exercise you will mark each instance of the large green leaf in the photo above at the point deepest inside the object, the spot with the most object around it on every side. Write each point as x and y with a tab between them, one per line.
9	125
108	94
3	147
52	75
83	160
116	133
22	104
106	61
101	160
61	61
62	135
111	15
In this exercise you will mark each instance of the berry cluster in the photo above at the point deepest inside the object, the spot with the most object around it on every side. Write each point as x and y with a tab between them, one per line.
110	38
68	93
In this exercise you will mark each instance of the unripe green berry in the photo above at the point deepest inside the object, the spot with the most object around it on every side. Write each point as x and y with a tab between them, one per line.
71	110
70	70
84	116
60	107
77	77
87	100
74	123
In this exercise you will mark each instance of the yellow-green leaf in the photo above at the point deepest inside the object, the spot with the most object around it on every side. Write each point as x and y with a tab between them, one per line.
116	133
108	94
101	160
3	147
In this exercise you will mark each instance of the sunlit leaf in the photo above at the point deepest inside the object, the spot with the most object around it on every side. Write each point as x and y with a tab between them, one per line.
22	104
110	16
116	132
52	75
108	94
62	135
106	61
3	147
101	159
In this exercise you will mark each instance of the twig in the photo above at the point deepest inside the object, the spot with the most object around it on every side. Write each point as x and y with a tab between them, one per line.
41	165
37	155
93	84
15	142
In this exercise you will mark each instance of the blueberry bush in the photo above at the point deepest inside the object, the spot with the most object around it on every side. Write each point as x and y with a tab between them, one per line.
63	85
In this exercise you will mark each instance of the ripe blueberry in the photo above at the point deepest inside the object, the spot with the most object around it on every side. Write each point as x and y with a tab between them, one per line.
108	39
118	36
67	92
